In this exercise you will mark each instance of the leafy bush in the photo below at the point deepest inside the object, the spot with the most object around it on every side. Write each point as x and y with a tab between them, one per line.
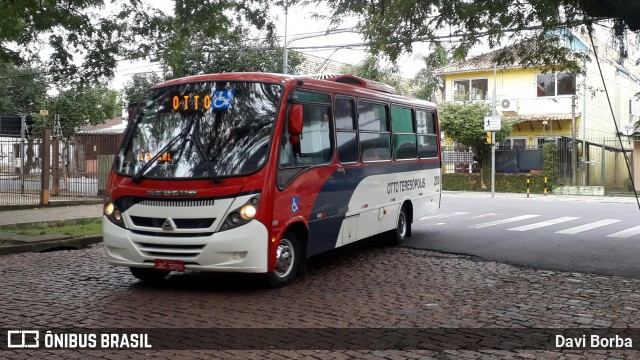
513	183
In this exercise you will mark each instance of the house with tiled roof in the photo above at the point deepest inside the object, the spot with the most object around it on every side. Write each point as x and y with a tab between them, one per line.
542	106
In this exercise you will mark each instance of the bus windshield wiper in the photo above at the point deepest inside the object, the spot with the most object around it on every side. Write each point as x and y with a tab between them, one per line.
183	135
138	175
203	155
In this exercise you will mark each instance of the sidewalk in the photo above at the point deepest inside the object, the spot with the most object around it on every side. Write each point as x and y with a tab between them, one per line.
11	243
542	197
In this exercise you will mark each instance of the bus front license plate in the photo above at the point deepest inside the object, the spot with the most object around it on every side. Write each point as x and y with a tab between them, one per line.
171	265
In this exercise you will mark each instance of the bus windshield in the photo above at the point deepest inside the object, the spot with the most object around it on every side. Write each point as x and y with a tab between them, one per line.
201	130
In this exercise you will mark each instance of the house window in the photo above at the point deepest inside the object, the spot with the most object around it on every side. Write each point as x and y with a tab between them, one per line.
470	89
513	144
554	84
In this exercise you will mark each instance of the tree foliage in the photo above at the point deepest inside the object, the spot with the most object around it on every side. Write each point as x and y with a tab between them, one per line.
464	124
372	68
88	39
80	106
137	86
425	82
232	50
22	89
393	26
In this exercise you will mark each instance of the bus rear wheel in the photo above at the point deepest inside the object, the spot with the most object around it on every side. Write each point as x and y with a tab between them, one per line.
149	275
399	234
287	262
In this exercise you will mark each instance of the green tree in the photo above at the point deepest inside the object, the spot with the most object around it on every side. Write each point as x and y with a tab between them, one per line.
135	88
393	26
80	106
464	124
87	41
426	83
229	51
371	68
23	89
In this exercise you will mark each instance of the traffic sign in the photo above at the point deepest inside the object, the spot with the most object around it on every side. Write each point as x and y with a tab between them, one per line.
492	123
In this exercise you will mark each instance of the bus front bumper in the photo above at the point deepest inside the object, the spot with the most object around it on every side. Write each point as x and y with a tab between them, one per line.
242	249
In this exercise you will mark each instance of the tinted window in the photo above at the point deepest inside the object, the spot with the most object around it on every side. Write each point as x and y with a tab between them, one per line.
427	137
375	146
345	114
404	144
347	146
372	117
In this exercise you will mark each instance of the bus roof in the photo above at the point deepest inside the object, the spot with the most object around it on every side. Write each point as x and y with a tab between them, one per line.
344	84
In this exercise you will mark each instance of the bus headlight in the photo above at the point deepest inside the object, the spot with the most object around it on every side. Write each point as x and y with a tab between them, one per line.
112	212
242	215
248	212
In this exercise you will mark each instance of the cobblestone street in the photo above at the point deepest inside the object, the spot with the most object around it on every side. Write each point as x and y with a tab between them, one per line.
361	286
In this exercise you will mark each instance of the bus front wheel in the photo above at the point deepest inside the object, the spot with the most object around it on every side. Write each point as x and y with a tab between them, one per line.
287	261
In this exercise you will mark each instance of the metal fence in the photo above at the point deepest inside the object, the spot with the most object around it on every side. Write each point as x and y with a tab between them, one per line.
77	168
597	162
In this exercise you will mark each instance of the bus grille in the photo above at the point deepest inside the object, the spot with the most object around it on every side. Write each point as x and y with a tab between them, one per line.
173	251
177	203
197	223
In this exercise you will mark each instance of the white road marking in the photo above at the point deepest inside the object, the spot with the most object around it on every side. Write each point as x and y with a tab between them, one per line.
442	216
590	226
503	221
485	215
626	233
544	223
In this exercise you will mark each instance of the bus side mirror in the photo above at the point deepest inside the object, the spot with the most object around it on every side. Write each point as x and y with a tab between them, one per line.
295	119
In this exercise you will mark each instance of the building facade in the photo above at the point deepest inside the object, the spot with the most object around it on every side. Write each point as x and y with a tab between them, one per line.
556	106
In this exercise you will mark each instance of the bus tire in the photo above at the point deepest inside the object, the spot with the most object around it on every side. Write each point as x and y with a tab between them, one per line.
288	258
149	275
399	234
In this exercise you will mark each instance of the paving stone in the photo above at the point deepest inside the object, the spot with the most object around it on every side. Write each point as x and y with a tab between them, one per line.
365	286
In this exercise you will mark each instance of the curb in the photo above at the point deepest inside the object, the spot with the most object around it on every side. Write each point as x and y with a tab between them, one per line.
52	204
73	243
46	223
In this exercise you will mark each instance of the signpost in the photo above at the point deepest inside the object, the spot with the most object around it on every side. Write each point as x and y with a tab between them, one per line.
492	123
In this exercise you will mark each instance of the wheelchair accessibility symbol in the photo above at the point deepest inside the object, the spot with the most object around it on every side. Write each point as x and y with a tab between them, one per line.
294	204
222	99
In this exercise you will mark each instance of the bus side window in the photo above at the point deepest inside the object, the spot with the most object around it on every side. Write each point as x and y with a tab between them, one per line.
427	137
346	134
314	145
375	138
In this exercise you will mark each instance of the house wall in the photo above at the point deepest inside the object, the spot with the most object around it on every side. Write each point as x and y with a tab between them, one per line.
621	86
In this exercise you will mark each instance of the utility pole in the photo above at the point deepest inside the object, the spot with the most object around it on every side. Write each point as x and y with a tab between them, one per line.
493	138
574	147
285	55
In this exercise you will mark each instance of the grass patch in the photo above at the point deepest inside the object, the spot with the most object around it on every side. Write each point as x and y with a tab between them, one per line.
75	228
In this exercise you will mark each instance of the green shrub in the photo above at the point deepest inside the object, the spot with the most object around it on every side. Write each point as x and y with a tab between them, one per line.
513	183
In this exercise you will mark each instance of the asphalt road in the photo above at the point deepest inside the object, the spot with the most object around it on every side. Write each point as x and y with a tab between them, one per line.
591	236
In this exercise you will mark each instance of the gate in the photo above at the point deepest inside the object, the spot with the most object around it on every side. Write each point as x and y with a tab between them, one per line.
33	171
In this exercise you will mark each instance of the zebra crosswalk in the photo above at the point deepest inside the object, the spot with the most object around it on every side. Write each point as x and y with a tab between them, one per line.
572	224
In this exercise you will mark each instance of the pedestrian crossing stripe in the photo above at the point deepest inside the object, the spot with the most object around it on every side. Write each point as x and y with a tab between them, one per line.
626	233
544	223
569	231
590	226
502	221
442	216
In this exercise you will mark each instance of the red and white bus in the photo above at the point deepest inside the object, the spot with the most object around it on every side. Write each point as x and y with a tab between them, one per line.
255	172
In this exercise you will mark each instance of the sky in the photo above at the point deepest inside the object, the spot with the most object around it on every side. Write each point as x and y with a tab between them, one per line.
301	28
